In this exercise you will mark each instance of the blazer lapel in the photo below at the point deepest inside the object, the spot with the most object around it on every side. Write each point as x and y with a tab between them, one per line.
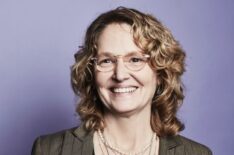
86	141
167	145
87	148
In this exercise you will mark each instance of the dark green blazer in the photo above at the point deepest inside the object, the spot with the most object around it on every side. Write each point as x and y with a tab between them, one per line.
77	141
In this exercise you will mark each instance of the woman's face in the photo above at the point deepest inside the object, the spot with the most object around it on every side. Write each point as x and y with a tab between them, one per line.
121	90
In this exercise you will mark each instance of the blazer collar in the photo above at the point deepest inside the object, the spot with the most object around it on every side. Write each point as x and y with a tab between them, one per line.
81	133
168	143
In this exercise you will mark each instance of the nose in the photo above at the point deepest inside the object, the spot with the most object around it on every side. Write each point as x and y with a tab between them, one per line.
121	73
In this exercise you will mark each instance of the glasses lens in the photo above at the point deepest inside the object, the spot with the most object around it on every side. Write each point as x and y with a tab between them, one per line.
105	63
135	62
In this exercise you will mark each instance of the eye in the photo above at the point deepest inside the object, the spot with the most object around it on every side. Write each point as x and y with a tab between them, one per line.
105	61
136	59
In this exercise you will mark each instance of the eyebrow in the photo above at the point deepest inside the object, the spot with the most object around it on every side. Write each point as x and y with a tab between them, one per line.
110	53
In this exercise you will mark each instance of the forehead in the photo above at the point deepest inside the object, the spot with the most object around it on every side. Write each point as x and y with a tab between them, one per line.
117	39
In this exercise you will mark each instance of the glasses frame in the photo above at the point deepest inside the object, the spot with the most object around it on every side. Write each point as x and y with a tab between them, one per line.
99	68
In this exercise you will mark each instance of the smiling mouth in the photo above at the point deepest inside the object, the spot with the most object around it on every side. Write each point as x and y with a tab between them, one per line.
124	90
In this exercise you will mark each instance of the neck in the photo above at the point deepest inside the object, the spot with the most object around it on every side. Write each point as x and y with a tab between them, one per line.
130	132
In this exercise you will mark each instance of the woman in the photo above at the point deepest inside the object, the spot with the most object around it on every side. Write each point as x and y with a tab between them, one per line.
128	77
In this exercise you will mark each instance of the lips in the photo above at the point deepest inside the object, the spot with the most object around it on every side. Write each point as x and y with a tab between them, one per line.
123	89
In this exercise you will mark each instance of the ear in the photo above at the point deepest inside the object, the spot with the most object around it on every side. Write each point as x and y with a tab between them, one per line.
158	82
158	79
158	85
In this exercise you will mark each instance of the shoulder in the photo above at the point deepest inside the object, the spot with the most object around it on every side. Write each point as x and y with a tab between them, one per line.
56	137
183	145
55	143
193	146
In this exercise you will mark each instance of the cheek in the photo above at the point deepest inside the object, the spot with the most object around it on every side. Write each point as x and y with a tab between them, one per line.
98	81
148	78
153	75
100	85
101	80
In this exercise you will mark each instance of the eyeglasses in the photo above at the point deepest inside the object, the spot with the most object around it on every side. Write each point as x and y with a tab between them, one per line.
133	61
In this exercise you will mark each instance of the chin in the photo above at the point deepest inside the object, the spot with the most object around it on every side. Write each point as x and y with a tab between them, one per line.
124	109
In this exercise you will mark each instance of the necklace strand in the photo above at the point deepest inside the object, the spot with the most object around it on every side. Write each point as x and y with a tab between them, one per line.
100	145
101	136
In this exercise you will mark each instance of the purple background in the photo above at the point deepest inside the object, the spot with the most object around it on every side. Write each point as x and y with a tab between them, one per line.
37	43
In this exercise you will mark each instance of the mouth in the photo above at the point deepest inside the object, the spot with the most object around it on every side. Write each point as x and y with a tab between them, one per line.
123	89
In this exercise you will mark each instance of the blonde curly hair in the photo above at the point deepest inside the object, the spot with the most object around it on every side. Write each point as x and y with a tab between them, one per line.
166	58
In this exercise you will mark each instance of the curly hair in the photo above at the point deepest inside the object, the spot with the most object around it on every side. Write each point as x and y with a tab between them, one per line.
167	59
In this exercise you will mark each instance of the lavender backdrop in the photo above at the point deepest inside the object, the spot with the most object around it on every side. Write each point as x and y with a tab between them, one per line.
37	43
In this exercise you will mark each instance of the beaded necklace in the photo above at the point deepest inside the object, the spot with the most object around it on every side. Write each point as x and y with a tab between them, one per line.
120	152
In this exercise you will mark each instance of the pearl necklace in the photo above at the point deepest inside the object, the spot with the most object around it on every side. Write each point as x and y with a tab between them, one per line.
115	149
